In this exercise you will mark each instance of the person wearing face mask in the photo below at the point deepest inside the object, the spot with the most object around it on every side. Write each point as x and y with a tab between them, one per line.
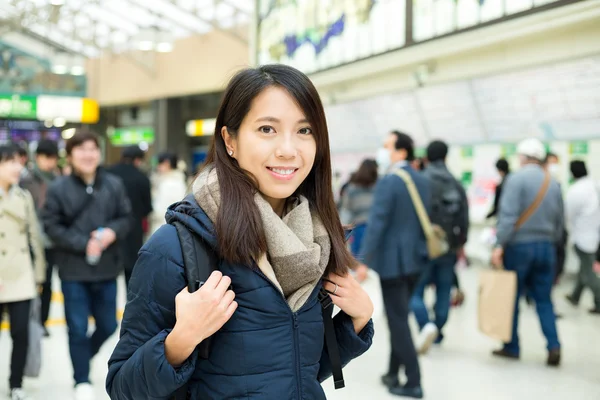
85	215
394	246
263	204
20	239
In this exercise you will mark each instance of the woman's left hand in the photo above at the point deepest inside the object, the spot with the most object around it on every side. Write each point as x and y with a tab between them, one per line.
351	298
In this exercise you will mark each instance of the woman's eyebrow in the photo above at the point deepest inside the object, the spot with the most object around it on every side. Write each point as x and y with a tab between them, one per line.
273	119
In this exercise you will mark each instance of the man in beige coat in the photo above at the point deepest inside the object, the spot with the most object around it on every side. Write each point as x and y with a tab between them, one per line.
22	262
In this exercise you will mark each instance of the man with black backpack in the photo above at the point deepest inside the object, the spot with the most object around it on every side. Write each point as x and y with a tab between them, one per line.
85	215
450	211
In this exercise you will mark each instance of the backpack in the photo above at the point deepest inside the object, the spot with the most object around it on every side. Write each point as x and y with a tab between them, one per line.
199	261
447	208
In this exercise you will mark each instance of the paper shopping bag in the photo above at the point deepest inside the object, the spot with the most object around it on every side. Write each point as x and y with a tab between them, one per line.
497	296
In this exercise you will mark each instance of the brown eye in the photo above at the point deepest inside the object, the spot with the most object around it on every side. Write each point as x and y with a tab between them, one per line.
305	131
266	129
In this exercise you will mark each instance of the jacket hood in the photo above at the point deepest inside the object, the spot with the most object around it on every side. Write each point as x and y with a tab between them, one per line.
191	215
439	171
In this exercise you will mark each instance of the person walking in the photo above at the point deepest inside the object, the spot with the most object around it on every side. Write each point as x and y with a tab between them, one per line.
37	182
263	204
86	214
137	186
357	202
168	187
395	247
450	211
530	222
22	263
583	224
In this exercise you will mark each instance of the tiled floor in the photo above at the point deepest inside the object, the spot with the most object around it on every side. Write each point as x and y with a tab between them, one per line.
460	370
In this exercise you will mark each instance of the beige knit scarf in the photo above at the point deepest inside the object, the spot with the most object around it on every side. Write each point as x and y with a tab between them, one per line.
298	246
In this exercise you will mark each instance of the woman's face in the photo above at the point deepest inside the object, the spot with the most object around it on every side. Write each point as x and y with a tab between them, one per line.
10	171
276	144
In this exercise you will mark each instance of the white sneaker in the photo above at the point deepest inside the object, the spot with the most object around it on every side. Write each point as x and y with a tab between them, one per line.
426	338
18	394
84	391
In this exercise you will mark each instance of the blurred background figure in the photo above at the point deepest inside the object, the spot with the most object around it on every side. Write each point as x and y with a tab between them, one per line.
582	207
85	215
503	170
450	211
529	223
168	187
552	164
357	201
36	182
23	160
394	246
22	263
137	186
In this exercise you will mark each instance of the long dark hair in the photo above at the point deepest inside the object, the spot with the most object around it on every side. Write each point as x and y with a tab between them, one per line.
239	228
366	176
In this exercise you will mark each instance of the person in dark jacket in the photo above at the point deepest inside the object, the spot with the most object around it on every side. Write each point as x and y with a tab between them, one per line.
450	211
37	182
264	204
503	170
137	186
85	215
394	246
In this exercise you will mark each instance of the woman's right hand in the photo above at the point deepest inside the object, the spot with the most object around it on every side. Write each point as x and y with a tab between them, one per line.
199	315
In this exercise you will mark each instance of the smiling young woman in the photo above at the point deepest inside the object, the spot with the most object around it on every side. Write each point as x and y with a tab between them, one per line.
264	201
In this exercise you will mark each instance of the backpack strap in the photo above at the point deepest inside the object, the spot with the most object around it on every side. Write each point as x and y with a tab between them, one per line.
198	262
331	340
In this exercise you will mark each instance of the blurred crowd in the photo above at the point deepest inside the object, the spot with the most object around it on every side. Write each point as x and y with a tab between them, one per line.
534	226
42	210
409	219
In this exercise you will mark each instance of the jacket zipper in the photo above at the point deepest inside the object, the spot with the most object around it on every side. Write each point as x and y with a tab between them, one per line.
297	350
295	328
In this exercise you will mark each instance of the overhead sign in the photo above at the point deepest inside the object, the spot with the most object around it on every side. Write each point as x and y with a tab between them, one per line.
130	136
201	127
17	106
43	108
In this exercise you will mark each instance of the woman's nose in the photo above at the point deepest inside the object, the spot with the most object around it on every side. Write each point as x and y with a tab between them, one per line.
286	147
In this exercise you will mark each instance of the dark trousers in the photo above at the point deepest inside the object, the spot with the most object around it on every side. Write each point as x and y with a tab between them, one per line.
83	299
534	264
19	332
396	297
441	273
46	296
587	277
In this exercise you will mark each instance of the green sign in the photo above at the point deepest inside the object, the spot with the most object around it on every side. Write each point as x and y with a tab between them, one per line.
467	152
17	106
509	150
578	148
420	152
130	136
466	178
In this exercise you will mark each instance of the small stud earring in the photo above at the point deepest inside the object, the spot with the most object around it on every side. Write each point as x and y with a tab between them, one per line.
230	152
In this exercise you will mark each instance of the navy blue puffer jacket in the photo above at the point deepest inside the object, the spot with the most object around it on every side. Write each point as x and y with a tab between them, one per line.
265	351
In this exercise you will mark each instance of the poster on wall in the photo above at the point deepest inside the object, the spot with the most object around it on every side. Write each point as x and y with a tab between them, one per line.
313	35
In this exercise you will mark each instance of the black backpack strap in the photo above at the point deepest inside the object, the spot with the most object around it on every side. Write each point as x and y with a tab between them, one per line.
198	262
331	340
